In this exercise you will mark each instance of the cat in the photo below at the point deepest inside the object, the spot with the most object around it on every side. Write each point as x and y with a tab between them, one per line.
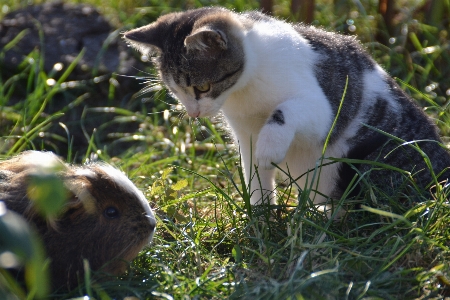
279	87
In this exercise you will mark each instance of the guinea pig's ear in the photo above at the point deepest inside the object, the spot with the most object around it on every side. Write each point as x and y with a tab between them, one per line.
80	199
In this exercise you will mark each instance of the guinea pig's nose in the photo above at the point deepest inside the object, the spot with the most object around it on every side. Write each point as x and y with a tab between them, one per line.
152	222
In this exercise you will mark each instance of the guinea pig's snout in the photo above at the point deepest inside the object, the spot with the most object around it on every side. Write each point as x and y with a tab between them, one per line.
151	219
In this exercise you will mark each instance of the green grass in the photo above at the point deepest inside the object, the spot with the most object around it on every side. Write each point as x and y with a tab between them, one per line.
209	242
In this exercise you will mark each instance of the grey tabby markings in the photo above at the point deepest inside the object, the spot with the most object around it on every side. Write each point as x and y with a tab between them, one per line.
339	56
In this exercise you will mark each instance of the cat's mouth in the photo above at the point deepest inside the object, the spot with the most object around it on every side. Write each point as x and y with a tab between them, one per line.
192	109
194	114
200	110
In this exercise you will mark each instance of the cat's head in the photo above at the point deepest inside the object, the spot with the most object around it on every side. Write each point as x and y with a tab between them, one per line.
200	55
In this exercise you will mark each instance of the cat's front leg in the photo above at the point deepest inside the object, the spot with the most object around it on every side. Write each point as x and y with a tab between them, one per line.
260	182
262	187
305	120
274	139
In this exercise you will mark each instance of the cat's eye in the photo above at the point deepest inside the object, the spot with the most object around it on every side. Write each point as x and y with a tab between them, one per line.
203	88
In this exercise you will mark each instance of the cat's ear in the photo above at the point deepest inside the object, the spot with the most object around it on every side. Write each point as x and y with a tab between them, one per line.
146	37
207	40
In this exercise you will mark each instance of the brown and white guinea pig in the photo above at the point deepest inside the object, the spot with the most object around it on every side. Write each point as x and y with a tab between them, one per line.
105	220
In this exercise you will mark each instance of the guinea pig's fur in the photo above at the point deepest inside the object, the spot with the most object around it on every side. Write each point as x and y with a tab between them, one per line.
106	219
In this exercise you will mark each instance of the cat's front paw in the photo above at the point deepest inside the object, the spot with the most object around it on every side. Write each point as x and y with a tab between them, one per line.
271	147
266	155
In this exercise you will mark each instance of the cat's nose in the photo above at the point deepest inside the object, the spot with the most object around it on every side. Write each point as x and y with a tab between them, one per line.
192	107
194	114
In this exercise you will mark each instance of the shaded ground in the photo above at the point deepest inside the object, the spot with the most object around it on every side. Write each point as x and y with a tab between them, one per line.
59	31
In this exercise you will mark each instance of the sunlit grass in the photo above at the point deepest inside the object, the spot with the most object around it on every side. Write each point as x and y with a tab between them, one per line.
210	243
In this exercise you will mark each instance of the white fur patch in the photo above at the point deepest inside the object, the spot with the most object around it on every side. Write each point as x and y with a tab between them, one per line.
41	160
86	173
375	85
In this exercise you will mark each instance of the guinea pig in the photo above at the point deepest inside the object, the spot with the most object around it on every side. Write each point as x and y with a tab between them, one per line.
105	219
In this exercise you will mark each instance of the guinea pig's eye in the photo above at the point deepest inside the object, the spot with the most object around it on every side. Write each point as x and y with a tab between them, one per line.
111	212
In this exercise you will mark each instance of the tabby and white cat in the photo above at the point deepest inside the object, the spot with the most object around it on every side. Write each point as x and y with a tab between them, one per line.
279	87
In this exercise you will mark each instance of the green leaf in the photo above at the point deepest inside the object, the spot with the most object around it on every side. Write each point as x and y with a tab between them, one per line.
181	184
15	40
156	189
166	173
384	213
237	253
14	234
17	238
48	192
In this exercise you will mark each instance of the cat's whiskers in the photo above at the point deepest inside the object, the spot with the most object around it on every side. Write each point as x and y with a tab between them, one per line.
197	126
148	89
160	112
181	117
152	84
150	78
194	123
